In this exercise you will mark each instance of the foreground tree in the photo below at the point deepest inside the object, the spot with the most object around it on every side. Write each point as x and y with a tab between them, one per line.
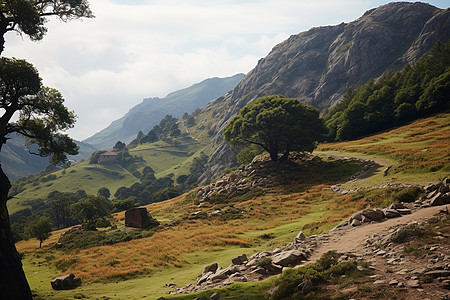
40	229
278	125
29	16
39	115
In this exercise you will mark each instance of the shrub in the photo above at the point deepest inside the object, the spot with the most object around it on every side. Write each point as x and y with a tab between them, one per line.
408	194
408	233
265	261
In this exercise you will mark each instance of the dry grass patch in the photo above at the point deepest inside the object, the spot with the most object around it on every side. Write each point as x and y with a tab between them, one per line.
422	146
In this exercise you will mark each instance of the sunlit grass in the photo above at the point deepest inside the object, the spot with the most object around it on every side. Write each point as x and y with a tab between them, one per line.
419	152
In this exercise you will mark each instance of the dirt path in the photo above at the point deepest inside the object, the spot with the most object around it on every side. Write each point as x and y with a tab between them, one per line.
353	239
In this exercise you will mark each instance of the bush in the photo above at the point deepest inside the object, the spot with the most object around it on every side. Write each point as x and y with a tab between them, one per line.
409	233
408	194
82	239
296	283
265	261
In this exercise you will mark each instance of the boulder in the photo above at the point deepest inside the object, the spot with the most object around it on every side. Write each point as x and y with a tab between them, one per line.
300	237
404	211
205	277
355	222
438	273
138	217
373	214
391	213
440	199
74	228
429	188
239	260
65	282
211	268
219	276
273	269
288	258
356	216
397	206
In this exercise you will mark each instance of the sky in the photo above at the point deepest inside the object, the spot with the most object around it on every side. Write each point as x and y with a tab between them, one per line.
136	49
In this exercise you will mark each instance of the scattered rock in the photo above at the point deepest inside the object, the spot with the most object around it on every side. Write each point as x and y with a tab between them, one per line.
300	237
214	296
211	268
65	282
413	284
379	281
288	258
393	282
239	260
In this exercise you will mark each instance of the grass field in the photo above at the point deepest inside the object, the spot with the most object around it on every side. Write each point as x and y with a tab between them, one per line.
419	152
162	157
182	247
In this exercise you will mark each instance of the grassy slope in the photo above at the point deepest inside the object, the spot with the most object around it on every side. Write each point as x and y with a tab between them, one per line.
178	253
419	152
162	157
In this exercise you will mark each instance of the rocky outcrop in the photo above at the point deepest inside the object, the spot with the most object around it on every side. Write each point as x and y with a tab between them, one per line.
65	282
318	65
260	173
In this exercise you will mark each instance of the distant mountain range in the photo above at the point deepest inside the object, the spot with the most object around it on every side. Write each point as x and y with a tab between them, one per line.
151	111
16	158
17	161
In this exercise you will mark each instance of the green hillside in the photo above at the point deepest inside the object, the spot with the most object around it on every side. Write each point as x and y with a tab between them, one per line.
300	199
162	157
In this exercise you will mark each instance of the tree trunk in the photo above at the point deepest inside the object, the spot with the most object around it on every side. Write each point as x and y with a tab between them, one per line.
273	155
285	155
13	283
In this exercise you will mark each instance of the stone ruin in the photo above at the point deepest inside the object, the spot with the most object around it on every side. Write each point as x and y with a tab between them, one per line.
139	217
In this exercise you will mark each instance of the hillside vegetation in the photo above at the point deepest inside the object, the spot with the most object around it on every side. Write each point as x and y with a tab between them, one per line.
394	99
191	237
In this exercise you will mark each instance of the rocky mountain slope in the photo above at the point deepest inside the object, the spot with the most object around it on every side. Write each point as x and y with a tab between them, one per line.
318	65
149	113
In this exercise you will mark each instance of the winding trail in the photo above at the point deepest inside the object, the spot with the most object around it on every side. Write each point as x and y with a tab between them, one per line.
353	239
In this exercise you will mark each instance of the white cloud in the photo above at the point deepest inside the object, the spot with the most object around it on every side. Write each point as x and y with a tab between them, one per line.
144	48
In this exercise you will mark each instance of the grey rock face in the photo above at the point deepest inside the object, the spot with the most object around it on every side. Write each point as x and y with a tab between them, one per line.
316	66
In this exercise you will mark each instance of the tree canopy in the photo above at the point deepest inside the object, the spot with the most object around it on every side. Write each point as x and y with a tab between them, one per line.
40	229
41	111
88	210
395	98
29	16
278	125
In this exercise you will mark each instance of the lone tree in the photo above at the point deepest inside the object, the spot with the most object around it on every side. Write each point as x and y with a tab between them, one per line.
278	125
40	229
88	210
29	16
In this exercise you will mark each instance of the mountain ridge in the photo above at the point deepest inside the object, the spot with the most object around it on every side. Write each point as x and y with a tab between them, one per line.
318	65
150	111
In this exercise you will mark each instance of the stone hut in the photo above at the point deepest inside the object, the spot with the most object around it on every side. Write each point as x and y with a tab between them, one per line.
138	217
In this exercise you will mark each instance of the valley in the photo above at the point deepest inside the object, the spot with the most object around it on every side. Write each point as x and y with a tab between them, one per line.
323	173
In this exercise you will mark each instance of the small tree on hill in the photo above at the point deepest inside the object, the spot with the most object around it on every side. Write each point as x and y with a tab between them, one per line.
278	125
104	192
40	229
90	209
